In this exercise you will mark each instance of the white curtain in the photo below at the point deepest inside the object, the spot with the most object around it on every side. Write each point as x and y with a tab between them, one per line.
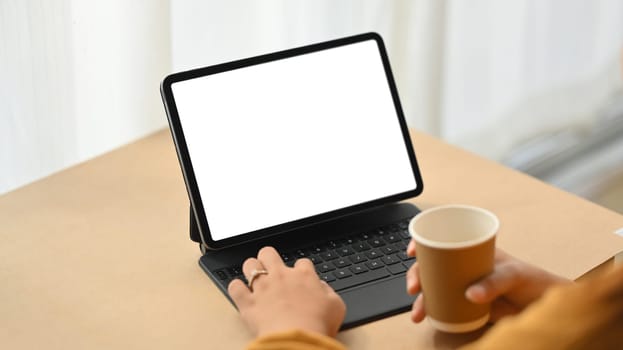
81	77
78	78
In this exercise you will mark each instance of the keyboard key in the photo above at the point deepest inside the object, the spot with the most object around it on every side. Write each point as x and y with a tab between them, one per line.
345	251
374	264
341	262
342	273
396	269
391	238
359	279
324	267
350	240
390	259
374	253
388	249
357	269
300	253
328	255
376	242
327	277
361	246
357	258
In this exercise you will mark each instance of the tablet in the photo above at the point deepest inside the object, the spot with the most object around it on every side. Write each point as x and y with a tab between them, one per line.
273	143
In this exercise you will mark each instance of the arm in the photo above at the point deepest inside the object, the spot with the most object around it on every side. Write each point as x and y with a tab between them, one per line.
586	315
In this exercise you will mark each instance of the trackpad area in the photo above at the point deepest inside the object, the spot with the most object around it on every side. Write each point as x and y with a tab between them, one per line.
375	301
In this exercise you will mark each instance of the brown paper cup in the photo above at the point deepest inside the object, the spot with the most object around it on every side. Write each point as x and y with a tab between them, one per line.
455	248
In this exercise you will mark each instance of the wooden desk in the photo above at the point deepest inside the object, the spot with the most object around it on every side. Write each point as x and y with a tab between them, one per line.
98	256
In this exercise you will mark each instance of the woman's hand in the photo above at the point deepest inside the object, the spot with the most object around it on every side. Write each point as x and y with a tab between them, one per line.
511	286
286	298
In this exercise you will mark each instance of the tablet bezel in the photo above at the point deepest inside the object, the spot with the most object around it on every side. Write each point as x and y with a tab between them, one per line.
186	163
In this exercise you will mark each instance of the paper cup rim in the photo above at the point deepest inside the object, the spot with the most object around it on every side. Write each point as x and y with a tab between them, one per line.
463	327
454	245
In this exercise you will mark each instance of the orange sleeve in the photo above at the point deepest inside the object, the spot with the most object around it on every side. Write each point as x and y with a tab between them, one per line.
585	315
295	340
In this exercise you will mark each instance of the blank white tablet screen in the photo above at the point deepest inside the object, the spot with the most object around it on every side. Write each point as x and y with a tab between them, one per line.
288	139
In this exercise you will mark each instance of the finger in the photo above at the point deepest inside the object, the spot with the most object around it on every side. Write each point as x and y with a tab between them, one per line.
502	280
413	279
304	264
250	265
269	257
417	311
239	293
411	248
